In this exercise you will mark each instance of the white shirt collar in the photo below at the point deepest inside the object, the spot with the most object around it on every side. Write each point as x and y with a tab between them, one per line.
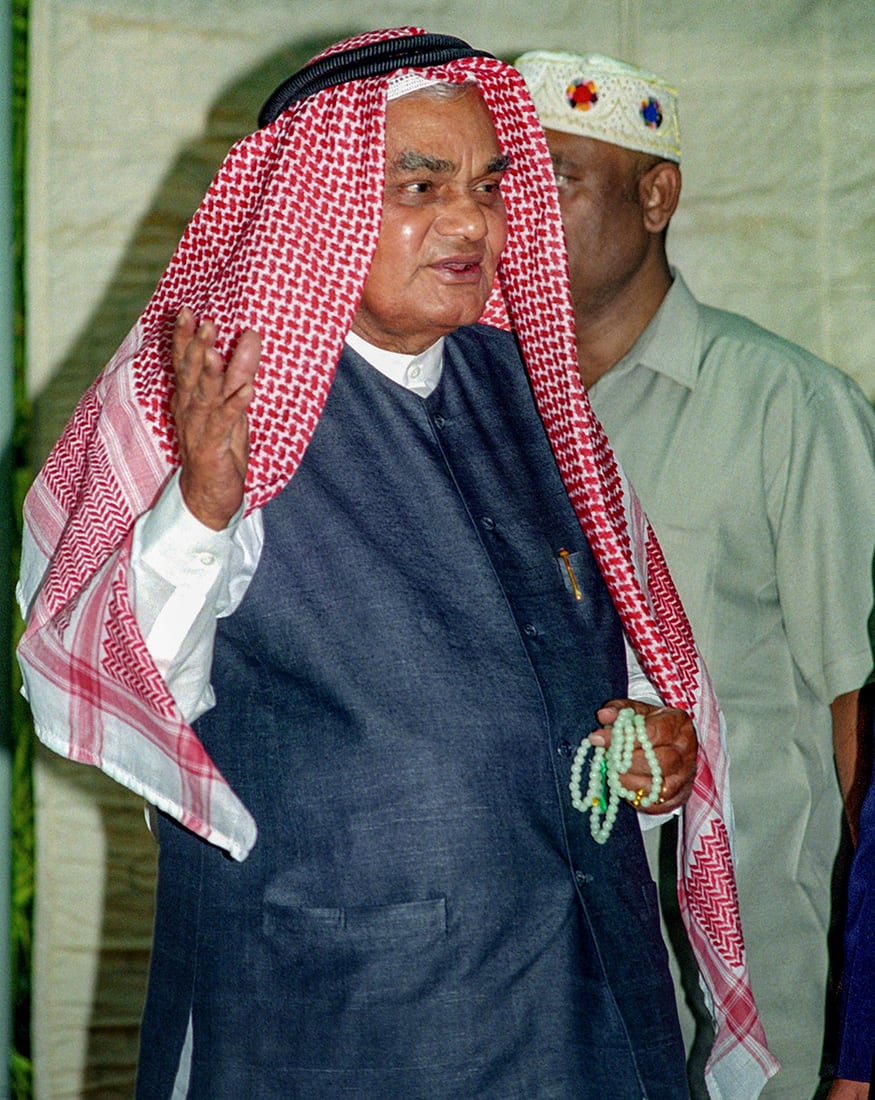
419	373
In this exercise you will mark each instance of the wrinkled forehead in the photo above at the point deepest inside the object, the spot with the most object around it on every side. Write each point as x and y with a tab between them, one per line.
440	116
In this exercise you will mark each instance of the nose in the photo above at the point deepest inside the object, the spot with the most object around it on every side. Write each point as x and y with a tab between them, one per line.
461	215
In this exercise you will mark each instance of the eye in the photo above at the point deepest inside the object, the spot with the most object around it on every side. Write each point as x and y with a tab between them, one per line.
491	188
561	180
411	192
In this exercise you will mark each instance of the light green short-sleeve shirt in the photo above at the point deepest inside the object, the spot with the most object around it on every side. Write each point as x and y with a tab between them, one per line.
755	462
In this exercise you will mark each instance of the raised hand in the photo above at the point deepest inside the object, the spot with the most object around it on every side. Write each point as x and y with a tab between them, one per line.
210	407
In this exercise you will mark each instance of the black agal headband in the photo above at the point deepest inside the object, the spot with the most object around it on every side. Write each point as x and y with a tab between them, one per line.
411	51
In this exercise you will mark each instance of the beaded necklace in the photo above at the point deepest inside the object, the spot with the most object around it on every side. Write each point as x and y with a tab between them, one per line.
604	789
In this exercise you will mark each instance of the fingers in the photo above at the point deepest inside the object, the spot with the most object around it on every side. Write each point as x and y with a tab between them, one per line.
183	332
200	370
673	738
607	715
210	405
190	350
243	365
207	389
674	741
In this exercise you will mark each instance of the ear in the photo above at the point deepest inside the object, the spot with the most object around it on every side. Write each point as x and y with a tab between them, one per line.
658	193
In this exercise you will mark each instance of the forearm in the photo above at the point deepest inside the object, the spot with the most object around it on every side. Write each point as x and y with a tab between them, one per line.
184	576
851	749
849	1090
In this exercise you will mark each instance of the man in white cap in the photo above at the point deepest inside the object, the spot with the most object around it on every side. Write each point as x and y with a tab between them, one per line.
754	462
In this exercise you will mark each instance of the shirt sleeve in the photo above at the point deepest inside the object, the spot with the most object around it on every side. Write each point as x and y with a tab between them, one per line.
185	576
640	687
821	496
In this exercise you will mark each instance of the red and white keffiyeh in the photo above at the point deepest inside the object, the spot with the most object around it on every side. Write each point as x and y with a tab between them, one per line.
281	243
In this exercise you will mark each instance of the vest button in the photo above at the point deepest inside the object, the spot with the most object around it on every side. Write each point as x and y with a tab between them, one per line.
565	748
530	630
488	523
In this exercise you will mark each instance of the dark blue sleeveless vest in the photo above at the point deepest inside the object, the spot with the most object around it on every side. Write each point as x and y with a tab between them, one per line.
424	916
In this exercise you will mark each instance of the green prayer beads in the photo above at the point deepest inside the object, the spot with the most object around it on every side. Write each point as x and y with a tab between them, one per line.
604	789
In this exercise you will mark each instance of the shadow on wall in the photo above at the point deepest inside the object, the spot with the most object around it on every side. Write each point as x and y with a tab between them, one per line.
130	855
154	239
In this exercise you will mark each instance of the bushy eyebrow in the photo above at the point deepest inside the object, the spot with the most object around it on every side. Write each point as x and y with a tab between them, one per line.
499	163
413	161
561	163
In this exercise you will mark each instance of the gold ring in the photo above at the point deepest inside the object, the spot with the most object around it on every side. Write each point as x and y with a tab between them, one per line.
662	793
639	794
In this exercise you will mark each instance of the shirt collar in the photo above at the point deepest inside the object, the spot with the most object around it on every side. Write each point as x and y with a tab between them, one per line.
670	343
419	373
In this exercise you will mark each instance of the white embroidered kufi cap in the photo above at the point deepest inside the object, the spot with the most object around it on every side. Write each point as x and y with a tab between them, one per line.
598	97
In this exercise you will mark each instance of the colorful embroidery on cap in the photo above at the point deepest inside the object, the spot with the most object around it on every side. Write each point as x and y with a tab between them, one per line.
582	94
651	112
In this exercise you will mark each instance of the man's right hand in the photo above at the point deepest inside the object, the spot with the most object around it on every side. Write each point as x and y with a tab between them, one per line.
210	407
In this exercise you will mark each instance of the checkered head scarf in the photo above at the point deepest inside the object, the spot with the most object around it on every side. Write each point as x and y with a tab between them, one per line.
294	209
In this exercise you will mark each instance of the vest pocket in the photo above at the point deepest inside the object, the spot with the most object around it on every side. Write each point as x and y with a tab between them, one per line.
373	953
359	923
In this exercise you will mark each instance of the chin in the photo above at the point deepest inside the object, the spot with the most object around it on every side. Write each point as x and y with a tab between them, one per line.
464	314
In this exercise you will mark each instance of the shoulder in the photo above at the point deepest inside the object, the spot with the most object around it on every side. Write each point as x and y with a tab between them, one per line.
488	353
740	354
485	340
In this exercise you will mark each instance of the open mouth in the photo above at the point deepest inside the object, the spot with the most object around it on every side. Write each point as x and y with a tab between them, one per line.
460	269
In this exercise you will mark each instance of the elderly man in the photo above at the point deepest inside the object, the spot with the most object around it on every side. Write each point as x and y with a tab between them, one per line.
754	461
312	507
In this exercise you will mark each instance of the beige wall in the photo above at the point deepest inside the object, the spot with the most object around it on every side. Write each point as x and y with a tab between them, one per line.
133	105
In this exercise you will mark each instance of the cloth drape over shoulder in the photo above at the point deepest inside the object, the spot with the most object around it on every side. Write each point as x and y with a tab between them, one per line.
282	243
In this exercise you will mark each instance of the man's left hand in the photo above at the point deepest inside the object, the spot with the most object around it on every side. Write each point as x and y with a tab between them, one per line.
673	738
